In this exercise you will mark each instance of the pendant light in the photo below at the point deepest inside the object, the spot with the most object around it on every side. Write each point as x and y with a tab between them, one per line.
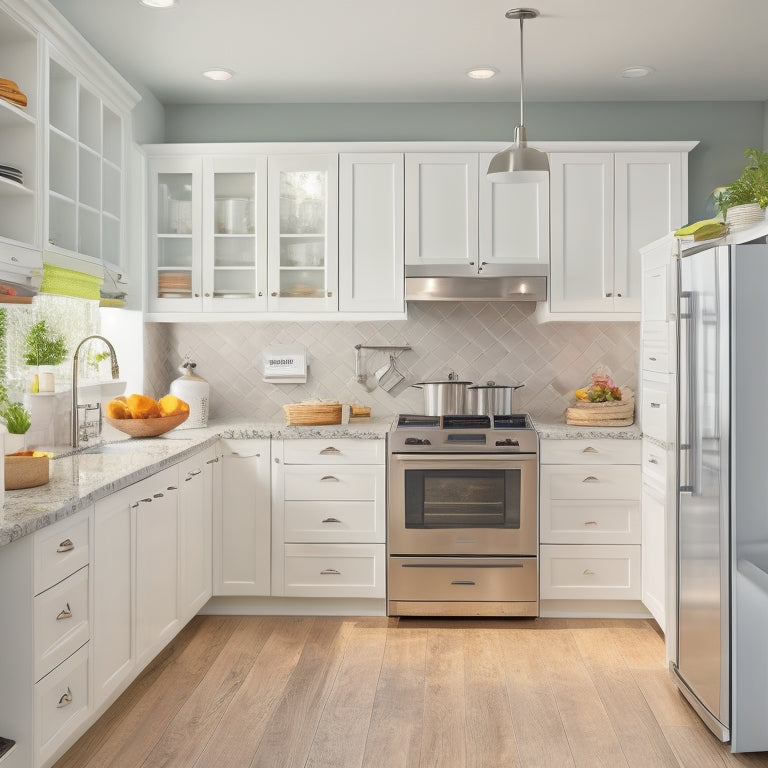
519	162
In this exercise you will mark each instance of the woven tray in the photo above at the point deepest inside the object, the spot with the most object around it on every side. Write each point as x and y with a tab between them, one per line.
618	413
312	414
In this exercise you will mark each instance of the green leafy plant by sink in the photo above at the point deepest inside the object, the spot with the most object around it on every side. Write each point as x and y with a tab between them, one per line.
42	347
750	187
17	418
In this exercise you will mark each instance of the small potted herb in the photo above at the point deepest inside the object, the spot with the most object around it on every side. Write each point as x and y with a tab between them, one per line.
17	421
745	200
44	348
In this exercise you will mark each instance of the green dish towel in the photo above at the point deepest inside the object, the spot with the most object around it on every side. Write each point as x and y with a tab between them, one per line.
709	229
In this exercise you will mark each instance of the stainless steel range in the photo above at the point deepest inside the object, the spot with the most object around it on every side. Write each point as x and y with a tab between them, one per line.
462	516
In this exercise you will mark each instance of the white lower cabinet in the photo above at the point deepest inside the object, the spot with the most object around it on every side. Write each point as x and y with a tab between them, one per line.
328	518
590	526
654	553
241	519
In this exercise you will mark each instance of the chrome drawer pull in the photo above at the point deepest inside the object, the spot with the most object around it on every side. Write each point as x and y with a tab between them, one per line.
330	451
589	572
147	499
65	546
652	359
157	495
325	478
651	460
463	582
590	449
194	472
655	405
590	522
330	572
213	461
590	479
331	520
65	699
65	614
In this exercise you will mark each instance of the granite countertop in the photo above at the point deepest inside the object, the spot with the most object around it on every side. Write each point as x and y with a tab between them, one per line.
562	431
78	479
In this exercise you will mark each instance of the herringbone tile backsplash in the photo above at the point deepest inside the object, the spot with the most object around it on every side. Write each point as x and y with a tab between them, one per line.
479	341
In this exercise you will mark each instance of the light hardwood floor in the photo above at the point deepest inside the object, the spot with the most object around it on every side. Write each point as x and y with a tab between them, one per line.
327	692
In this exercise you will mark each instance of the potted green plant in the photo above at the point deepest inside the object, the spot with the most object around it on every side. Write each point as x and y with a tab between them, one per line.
17	421
750	190
44	348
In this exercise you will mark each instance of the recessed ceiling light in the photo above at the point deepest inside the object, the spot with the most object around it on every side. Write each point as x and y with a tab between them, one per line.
482	73
159	3
218	73
632	73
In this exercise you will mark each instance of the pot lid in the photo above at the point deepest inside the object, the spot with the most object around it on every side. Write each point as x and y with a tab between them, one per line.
444	381
494	385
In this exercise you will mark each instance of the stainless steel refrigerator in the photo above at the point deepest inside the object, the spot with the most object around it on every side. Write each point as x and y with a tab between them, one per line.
722	505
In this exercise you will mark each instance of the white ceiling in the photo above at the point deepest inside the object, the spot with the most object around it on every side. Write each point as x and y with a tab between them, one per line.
419	50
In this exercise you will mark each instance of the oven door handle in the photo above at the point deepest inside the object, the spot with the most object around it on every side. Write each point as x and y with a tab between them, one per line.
456	458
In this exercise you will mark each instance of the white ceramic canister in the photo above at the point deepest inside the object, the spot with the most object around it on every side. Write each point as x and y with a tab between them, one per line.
194	391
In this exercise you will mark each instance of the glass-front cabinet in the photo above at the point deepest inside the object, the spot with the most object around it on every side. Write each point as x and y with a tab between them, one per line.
303	233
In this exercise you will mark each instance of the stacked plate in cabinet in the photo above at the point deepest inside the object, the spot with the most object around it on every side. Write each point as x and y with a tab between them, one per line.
12	173
174	285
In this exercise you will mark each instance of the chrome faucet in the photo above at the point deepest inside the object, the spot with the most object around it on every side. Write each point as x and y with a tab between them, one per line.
115	374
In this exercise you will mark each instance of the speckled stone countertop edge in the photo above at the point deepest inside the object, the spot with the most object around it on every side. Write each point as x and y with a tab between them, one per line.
563	431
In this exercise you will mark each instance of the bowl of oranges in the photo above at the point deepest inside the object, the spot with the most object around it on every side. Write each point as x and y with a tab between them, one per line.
143	416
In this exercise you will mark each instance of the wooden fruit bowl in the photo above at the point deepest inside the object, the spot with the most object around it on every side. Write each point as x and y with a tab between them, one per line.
148	427
26	471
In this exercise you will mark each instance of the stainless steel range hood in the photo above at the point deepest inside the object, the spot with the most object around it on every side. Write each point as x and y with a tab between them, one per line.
452	283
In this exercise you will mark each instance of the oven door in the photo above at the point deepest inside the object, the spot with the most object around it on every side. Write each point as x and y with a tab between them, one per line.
462	504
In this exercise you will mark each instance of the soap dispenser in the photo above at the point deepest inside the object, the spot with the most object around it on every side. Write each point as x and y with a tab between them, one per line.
193	390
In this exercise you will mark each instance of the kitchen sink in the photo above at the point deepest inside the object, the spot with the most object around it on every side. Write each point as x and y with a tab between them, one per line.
124	446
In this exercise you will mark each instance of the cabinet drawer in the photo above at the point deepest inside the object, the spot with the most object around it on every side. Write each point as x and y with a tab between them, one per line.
334	521
590	521
654	463
335	570
61	703
61	621
343	451
590	572
656	357
352	483
656	303
60	550
490	579
561	481
657	409
602	451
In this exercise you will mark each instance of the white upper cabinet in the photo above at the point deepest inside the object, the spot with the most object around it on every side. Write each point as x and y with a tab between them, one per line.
441	210
371	217
604	207
303	232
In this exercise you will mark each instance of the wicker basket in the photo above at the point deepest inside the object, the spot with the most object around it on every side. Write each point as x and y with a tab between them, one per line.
148	427
26	471
312	414
617	413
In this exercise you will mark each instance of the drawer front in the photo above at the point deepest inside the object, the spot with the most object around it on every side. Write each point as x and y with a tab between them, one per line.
61	621
335	570
657	412
60	550
590	482
655	304
590	522
343	451
491	579
656	357
335	521
351	483
590	572
654	463
61	703
603	451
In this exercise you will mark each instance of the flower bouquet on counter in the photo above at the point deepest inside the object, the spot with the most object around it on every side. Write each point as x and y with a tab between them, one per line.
602	403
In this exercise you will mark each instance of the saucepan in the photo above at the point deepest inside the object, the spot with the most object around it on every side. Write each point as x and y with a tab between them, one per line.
491	399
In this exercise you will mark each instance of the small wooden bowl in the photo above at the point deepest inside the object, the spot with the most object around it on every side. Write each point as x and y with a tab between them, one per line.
26	471
148	427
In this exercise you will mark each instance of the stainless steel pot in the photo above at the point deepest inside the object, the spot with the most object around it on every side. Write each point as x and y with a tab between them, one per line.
491	399
444	397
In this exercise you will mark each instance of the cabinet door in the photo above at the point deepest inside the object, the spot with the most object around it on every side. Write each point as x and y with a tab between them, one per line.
582	232
241	531
649	202
513	222
112	647
175	219
654	553
371	215
235	234
195	523
303	248
441	210
156	524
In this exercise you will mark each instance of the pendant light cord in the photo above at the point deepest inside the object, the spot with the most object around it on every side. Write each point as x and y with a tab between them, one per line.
522	79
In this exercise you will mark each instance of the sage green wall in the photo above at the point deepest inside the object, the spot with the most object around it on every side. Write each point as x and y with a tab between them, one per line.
724	129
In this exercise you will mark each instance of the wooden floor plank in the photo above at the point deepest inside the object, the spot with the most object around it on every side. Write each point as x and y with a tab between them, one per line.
237	737
691	749
539	732
394	734
490	738
188	733
443	736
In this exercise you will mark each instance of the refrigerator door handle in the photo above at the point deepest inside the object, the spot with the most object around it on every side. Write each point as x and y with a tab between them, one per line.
687	392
